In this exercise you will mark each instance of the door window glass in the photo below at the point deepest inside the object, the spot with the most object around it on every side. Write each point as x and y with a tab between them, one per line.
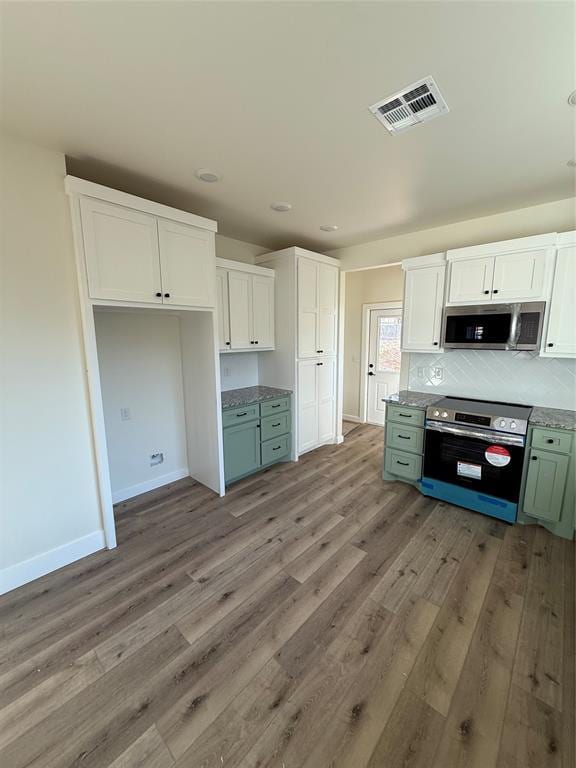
388	340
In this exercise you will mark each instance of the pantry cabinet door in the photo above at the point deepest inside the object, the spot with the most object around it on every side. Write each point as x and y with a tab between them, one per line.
188	264
307	307
520	276
471	281
561	331
240	303
307	405
326	382
327	309
423	304
222	309
121	249
263	311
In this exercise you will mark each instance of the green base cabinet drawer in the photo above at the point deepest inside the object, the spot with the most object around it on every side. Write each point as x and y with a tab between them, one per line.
274	426
401	464
241	450
401	414
545	485
274	406
272	450
405	438
552	440
240	415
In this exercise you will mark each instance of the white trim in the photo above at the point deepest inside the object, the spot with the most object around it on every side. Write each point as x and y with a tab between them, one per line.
75	186
355	419
504	246
300	253
149	485
566	238
365	343
22	573
242	266
375	266
417	262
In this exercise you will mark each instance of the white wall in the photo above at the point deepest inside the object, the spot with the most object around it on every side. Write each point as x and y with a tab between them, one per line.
365	287
239	370
238	250
559	216
49	510
141	369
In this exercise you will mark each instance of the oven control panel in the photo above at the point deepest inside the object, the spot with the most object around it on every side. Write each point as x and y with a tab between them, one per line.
507	424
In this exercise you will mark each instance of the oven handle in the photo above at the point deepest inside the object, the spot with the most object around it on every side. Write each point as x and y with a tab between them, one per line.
486	436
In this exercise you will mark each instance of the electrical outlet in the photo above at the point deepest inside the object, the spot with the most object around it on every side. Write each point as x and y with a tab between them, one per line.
125	414
420	372
156	458
438	373
226	372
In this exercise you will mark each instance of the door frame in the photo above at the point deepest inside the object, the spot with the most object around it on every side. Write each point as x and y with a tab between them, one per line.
365	348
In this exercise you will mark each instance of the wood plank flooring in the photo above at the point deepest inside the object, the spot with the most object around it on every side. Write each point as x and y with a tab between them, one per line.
316	617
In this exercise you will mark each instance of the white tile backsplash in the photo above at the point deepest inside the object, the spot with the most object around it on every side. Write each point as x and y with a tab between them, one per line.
519	377
238	370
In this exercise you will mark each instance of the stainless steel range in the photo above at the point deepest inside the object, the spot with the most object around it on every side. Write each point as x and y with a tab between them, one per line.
474	454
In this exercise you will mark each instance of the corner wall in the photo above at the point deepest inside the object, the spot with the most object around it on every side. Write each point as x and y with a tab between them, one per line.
49	508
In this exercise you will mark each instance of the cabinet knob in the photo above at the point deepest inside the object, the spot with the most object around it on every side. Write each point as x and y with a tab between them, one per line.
486	291
435	343
495	290
166	295
550	344
251	342
319	363
534	458
255	342
158	295
319	351
550	440
227	343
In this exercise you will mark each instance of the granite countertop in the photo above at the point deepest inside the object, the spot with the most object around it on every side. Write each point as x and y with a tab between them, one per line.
414	399
556	418
236	398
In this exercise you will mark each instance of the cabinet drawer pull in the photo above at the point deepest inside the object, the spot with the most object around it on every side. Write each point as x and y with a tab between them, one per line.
403	463
550	440
276	425
241	414
405	437
277	448
405	415
275	406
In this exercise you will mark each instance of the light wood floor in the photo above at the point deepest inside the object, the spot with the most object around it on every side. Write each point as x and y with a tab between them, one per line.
316	617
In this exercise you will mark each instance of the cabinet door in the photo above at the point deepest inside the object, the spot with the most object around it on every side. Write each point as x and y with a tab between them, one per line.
520	276
326	383
307	307
422	314
222	309
187	261
471	281
545	484
240	296
560	334
263	311
307	405
241	450
122	258
326	335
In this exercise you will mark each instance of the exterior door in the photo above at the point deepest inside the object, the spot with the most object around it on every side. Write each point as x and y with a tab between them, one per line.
187	261
122	257
384	355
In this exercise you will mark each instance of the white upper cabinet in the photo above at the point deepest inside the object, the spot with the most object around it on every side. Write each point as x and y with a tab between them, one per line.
187	264
133	256
511	271
471	281
423	303
122	255
560	339
248	293
222	306
317	308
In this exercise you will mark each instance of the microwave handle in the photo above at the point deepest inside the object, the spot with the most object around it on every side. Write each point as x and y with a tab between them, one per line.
515	326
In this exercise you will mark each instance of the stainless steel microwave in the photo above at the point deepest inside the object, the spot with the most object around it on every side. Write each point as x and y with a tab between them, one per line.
494	326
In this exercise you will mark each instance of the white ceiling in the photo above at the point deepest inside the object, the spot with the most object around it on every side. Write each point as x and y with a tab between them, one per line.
275	97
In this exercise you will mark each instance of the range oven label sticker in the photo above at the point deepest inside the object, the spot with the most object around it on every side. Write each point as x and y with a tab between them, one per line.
469	470
497	455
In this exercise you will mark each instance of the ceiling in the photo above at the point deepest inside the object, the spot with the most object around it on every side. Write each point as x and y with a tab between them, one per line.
275	96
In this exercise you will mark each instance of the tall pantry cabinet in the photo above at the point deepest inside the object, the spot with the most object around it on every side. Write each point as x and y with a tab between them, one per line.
306	355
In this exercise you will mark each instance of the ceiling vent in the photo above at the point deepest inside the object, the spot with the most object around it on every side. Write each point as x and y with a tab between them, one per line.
415	104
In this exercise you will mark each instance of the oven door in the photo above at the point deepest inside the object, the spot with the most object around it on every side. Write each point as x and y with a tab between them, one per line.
478	459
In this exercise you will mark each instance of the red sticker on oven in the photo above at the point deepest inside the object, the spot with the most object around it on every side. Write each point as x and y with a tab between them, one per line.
497	456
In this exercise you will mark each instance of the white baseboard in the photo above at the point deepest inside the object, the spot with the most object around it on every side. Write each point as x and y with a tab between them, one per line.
352	418
28	570
149	485
339	439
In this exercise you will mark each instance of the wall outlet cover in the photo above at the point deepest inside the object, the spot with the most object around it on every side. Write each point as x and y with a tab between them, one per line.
156	458
125	414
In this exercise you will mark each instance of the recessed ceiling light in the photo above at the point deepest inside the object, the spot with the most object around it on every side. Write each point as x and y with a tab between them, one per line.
205	174
281	207
571	163
328	227
572	99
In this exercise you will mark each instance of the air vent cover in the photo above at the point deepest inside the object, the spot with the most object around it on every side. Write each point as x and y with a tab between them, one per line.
415	104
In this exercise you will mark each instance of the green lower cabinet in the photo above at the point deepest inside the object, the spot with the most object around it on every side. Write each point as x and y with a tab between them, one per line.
403	443
241	450
548	486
